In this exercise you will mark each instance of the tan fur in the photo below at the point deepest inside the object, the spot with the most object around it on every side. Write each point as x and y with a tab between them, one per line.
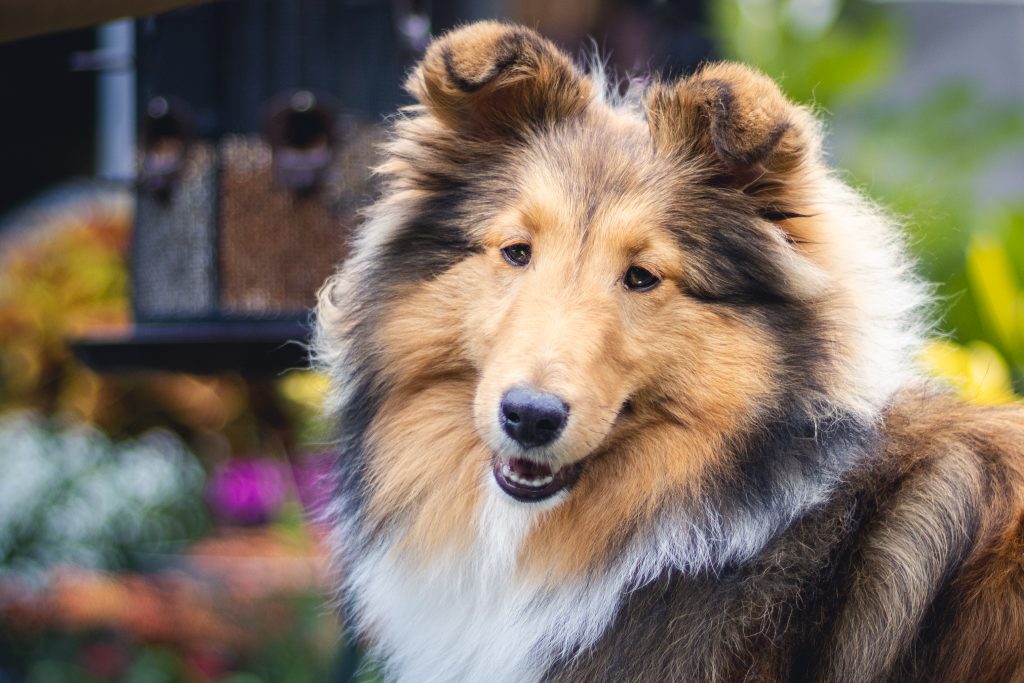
536	329
979	456
624	227
735	118
488	79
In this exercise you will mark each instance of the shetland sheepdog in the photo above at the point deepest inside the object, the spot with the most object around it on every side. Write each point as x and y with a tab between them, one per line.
625	390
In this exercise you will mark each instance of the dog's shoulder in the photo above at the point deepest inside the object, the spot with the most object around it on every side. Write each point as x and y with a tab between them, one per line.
912	571
940	565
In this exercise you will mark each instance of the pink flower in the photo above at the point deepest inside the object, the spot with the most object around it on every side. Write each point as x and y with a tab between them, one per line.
247	491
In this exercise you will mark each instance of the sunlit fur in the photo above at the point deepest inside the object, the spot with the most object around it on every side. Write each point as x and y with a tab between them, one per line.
768	489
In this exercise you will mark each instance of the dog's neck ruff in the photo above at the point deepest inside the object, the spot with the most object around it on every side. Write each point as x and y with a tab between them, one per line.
472	615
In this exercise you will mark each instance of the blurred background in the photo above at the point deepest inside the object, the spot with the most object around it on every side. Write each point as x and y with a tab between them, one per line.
176	187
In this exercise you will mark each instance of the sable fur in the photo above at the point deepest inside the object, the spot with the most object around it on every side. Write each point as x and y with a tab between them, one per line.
769	491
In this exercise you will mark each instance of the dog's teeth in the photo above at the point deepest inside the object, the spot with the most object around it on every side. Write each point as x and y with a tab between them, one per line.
525	481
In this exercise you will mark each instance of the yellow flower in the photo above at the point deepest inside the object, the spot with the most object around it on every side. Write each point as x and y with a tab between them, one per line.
975	370
306	389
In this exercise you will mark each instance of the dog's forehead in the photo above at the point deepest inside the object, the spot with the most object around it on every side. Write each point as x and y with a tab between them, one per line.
591	180
595	159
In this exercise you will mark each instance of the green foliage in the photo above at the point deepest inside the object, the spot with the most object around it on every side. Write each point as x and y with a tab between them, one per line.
71	496
996	287
300	655
821	51
928	163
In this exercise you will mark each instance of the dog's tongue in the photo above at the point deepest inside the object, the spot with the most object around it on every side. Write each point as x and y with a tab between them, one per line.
529	469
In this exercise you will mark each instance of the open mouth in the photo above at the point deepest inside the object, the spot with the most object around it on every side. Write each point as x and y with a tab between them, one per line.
529	481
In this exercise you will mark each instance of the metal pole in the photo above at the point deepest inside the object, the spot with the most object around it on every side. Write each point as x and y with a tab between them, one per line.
115	127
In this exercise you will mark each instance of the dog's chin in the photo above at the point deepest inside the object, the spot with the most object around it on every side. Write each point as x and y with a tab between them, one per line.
530	481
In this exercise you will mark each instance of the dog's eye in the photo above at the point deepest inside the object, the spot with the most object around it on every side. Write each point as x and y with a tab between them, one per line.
517	254
640	279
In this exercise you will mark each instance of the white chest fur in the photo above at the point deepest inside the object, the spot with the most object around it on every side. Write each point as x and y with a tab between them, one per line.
470	617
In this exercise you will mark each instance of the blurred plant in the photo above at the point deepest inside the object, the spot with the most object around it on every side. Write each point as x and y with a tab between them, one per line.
922	165
303	394
248	609
70	496
975	370
92	658
819	50
61	269
247	490
995	264
931	163
250	491
242	605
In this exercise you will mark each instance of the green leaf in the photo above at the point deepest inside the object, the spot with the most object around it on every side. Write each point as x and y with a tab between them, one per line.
994	289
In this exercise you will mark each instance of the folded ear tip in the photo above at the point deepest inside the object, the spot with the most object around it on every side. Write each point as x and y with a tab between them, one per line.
465	77
739	75
735	111
467	57
756	97
479	33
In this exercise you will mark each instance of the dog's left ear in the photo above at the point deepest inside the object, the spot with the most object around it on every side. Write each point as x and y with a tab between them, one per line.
490	80
736	121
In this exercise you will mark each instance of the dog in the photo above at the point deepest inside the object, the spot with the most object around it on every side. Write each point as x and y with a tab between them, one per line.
625	388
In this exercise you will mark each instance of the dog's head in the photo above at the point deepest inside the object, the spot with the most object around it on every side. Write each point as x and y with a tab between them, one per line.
588	298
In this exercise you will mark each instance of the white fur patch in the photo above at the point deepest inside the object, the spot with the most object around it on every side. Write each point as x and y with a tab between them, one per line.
469	616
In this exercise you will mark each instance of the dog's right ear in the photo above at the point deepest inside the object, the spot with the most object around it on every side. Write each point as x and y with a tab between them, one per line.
491	80
737	120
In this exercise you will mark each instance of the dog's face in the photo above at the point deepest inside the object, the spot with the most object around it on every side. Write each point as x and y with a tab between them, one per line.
587	319
581	303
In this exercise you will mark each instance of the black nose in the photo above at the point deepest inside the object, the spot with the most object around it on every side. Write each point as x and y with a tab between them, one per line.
532	418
